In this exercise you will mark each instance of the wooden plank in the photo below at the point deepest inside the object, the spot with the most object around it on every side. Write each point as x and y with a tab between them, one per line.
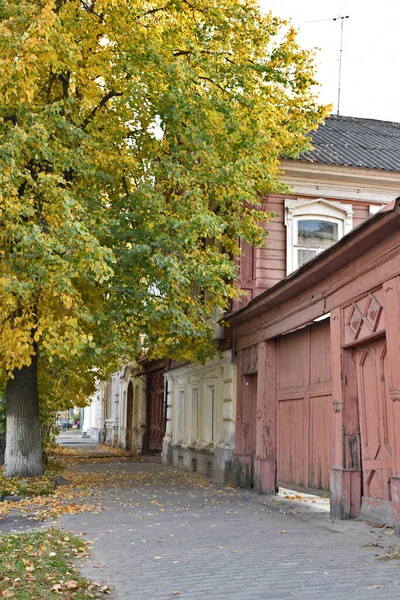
392	310
360	213
272	262
295	320
320	441
320	368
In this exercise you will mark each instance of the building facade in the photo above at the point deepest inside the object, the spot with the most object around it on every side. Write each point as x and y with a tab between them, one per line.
333	189
214	418
200	432
92	416
318	356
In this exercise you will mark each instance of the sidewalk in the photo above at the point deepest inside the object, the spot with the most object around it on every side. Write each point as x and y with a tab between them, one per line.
165	534
73	438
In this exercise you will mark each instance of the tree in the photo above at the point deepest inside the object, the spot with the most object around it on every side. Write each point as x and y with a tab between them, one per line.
137	138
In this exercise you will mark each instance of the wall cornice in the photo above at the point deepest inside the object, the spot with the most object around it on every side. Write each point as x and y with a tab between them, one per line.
334	181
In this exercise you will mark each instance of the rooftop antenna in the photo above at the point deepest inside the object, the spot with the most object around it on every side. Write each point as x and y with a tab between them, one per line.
341	19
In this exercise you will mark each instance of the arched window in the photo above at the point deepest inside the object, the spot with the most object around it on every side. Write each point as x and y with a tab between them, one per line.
312	226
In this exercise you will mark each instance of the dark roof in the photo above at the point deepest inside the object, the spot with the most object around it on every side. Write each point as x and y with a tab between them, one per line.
354	142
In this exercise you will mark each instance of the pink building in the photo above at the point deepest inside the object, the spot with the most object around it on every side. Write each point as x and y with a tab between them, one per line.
318	376
352	172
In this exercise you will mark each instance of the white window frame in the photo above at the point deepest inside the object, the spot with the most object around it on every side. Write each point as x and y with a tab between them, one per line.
179	415
316	249
210	421
194	435
319	209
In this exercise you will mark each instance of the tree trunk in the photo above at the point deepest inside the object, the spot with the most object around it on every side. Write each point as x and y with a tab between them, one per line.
23	456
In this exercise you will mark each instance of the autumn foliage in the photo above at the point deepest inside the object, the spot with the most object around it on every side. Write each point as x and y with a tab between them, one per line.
136	139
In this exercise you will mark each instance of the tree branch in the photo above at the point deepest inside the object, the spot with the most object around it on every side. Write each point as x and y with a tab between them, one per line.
153	11
90	9
214	83
12	118
102	103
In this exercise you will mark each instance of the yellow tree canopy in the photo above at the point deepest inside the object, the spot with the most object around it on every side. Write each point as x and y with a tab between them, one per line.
136	137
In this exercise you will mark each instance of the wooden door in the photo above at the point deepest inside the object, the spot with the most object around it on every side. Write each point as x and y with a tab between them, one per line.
248	424
129	417
156	412
376	420
304	417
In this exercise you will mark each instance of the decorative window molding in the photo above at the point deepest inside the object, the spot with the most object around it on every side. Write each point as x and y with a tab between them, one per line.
210	429
312	226
179	415
194	434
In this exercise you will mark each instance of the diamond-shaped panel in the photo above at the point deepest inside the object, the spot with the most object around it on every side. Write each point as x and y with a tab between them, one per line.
372	313
355	321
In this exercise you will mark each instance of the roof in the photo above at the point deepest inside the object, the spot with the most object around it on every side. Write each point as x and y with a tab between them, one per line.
355	142
355	243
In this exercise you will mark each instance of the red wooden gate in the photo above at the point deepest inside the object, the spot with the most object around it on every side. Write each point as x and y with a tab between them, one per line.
156	411
304	418
376	420
246	431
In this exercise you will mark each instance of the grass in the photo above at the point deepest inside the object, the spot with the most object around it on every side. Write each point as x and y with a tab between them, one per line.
30	486
40	565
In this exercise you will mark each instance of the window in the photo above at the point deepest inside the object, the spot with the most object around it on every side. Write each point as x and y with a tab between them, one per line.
194	417
210	416
311	227
311	236
179	416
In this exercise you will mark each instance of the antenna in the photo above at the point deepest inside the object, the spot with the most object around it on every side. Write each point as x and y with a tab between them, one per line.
341	19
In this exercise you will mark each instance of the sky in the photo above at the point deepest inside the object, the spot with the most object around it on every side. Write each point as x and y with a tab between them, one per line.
370	81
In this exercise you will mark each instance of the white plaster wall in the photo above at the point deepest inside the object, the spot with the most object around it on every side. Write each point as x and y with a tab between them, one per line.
180	447
93	414
116	401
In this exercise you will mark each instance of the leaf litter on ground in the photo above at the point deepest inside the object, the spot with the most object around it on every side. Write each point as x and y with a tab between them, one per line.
42	565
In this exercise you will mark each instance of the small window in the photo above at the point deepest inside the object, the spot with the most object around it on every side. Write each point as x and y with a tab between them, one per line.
311	233
194	417
210	417
304	256
179	417
311	227
312	236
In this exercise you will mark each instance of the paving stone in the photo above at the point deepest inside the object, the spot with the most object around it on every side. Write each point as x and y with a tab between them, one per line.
211	543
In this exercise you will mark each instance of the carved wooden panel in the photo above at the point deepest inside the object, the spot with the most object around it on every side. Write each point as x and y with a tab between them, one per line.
304	419
364	318
249	362
376	419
